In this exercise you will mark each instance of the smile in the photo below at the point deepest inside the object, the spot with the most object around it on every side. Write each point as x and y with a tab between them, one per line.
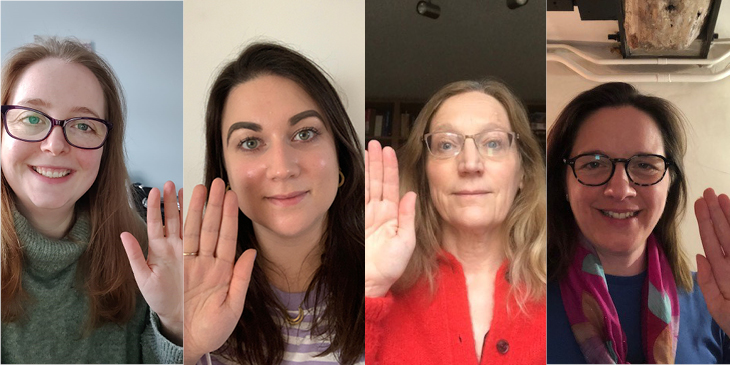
616	215
287	199
51	173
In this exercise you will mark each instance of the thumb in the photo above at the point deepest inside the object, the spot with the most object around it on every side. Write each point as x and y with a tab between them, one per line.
136	258
240	280
407	217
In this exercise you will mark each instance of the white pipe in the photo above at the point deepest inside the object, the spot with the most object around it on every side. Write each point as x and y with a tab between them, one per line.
641	61
645	77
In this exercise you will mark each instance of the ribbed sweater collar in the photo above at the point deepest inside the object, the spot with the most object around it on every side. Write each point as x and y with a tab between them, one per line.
47	258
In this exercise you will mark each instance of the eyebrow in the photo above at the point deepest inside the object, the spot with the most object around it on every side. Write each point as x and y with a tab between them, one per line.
257	127
600	152
450	127
42	103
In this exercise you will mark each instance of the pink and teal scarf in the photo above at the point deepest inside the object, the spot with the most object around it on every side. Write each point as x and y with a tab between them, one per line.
593	317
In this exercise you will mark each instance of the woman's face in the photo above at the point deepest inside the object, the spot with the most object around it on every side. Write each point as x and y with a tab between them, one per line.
52	175
280	156
470	190
600	211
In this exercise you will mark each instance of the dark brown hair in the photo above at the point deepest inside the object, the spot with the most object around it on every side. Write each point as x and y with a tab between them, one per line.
257	338
562	228
103	268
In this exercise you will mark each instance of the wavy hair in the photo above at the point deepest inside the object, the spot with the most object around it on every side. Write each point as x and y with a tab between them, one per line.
103	268
341	317
562	227
525	221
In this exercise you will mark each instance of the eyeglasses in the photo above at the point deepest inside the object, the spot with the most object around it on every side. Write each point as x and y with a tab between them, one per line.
489	144
595	169
30	125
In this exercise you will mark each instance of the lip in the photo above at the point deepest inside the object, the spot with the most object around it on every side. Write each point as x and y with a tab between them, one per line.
471	192
619	221
51	180
288	199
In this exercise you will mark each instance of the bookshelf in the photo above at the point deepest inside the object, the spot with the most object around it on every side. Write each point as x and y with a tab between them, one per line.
390	121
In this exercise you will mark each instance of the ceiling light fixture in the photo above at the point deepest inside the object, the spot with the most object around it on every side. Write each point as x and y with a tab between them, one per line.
427	9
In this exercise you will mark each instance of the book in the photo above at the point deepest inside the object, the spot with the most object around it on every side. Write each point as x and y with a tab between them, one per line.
378	131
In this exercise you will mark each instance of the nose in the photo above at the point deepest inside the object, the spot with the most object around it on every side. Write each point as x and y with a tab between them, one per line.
619	187
283	162
469	159
55	143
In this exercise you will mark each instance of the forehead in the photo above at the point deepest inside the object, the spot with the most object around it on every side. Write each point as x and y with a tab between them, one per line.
470	112
267	100
619	132
59	84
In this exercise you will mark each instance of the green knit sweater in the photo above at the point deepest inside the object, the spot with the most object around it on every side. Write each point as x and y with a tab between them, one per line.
51	330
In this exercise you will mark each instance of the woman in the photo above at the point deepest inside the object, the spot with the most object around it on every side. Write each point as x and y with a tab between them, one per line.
455	272
280	139
67	286
620	289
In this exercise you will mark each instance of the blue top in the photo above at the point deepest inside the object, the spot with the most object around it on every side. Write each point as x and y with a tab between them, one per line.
701	341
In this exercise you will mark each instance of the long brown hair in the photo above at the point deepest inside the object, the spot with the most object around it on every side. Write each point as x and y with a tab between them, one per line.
562	227
103	268
257	338
525	221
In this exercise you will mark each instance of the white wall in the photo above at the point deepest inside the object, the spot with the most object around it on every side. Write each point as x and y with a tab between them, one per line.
142	41
330	32
707	108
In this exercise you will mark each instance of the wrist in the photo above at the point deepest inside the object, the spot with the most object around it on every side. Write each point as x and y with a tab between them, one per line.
172	330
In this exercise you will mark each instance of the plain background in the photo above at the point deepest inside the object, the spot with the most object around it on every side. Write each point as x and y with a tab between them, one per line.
330	32
706	106
143	43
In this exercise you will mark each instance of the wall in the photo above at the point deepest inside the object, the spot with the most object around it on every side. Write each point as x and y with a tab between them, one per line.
215	32
707	108
143	43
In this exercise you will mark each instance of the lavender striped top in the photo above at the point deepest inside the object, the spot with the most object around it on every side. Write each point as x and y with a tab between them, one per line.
301	348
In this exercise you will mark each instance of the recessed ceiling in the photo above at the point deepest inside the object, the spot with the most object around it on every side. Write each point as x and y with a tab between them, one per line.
409	56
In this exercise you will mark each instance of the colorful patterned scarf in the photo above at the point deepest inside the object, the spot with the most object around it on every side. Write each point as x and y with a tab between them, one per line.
593	317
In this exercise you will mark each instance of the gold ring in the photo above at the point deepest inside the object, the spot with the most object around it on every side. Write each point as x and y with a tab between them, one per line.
190	254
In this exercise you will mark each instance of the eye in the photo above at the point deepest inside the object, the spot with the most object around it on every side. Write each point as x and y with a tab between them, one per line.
445	146
33	119
494	144
83	127
306	134
250	143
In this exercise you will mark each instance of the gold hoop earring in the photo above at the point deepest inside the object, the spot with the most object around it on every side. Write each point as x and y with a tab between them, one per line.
342	180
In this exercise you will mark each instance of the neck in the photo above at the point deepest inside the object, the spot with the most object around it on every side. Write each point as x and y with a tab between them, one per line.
476	250
52	223
290	262
623	264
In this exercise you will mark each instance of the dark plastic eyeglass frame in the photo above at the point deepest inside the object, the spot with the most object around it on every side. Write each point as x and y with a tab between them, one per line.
54	122
515	137
571	162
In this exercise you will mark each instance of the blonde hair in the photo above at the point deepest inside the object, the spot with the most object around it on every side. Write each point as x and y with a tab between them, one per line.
103	268
525	221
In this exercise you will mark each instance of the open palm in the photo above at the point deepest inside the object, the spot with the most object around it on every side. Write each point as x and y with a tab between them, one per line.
215	288
390	235
159	275
713	269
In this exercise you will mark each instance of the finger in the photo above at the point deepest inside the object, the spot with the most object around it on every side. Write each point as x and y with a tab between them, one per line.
375	154
719	221
172	214
191	237
407	217
724	201
180	215
136	259
240	280
707	282
391	190
212	219
154	216
227	238
367	180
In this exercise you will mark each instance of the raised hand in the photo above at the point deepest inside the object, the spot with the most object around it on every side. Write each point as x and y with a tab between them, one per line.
159	277
390	234
713	269
215	288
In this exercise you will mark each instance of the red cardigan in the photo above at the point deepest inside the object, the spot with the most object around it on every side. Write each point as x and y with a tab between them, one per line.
418	328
